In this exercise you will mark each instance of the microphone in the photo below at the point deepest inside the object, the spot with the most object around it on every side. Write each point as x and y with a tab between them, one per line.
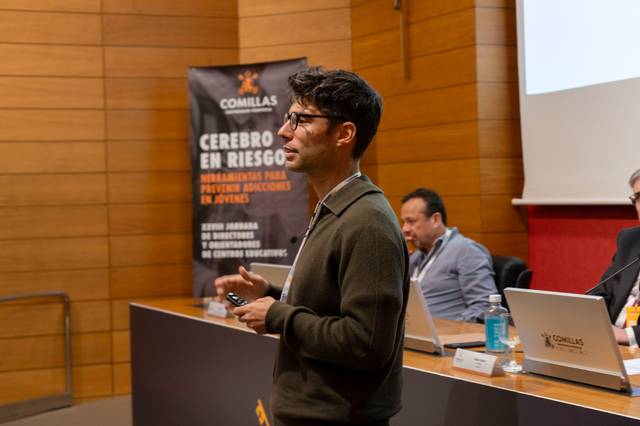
293	240
633	262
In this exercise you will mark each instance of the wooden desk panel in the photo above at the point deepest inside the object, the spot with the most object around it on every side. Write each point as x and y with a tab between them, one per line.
195	355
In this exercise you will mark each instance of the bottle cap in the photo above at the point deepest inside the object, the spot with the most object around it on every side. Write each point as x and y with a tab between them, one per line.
495	298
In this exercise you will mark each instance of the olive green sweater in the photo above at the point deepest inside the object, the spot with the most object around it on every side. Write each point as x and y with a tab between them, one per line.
341	330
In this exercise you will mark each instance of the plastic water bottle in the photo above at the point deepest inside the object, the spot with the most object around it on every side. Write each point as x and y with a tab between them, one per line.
492	324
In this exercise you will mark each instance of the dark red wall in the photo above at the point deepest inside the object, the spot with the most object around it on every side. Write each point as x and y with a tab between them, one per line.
571	246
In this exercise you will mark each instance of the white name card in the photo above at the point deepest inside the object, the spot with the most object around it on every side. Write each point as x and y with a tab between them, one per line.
218	309
477	362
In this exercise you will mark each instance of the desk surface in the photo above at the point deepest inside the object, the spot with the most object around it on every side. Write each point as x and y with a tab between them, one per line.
538	386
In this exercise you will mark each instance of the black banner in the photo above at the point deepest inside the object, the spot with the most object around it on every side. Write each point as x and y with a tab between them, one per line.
246	206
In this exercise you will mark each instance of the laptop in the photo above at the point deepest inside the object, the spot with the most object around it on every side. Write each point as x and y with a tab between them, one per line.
420	332
568	336
275	274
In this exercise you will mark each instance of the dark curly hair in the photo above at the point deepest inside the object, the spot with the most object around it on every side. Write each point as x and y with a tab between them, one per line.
341	94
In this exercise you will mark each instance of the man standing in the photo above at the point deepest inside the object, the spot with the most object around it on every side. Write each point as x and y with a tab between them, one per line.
621	292
340	315
454	272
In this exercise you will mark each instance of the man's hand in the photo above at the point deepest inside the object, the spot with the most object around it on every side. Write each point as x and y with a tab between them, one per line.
246	284
621	335
255	314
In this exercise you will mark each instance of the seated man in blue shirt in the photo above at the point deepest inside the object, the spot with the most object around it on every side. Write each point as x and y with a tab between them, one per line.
454	272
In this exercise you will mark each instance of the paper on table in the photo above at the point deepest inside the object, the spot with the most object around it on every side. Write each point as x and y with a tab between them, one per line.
632	366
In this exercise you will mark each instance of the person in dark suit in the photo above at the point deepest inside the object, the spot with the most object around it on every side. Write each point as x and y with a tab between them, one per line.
622	292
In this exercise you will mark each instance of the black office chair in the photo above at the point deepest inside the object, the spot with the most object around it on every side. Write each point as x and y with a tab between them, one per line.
510	271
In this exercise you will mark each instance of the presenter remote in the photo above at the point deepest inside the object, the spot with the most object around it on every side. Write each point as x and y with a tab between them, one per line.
236	300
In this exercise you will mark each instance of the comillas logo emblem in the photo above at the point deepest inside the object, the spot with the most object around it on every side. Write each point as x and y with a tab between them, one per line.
261	414
248	86
249	99
564	343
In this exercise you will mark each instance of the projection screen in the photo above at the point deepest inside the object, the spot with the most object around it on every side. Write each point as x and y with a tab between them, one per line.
579	73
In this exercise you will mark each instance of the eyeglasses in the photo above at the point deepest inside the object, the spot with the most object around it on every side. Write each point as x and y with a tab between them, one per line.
294	118
635	198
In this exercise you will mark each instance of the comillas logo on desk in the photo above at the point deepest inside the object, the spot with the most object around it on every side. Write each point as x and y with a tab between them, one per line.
261	414
563	343
245	103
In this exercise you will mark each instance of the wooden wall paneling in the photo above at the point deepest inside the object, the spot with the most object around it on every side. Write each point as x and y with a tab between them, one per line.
498	101
91	348
438	70
330	54
50	60
120	311
150	249
120	314
52	157
92	380
53	254
51	125
90	316
170	31
506	243
218	8
81	284
446	32
332	24
420	9
463	211
367	169
149	218
52	221
376	49
27	190
160	280
87	6
147	124
499	215
248	8
439	142
511	4
149	156
455	177
499	138
121	346
26	353
162	61
50	28
374	17
26	384
439	106
150	187
501	176
37	319
51	92
88	381
55	114
497	64
146	93
122	378
495	25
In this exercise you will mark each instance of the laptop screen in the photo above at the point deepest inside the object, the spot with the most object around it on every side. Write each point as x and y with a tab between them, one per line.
275	274
568	330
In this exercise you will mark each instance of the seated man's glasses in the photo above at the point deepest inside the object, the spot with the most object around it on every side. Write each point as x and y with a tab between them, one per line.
294	118
635	198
